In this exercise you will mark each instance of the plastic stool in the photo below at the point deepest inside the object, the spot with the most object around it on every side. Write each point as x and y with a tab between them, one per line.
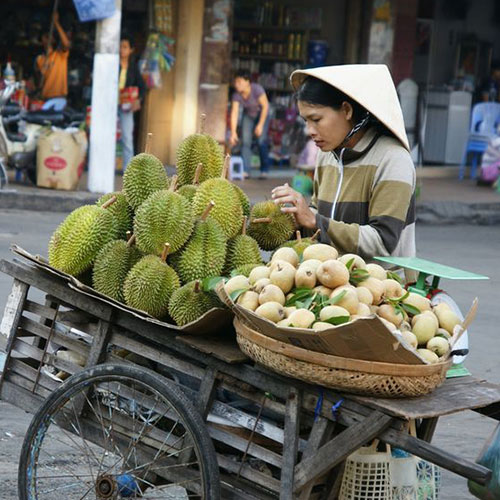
236	168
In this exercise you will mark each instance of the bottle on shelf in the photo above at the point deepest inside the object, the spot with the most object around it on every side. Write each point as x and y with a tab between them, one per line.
8	73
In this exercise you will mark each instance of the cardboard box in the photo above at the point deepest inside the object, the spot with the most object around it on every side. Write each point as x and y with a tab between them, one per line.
60	158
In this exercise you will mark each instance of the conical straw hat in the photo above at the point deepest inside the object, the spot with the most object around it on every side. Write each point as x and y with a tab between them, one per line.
370	85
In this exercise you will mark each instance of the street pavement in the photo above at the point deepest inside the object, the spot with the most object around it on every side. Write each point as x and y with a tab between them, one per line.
470	247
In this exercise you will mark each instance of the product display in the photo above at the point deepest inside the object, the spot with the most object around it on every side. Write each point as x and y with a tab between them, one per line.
122	214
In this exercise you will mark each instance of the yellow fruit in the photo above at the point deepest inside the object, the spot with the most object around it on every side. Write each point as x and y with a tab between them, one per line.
289	310
388	324
320	325
364	295
392	289
323	290
258	273
305	278
376	271
438	345
283	276
271	293
358	262
427	313
272	311
363	310
330	312
448	320
410	338
288	254
260	284
350	299
320	251
236	283
332	273
443	333
301	318
424	329
283	322
420	302
428	356
388	312
376	288
310	264
248	300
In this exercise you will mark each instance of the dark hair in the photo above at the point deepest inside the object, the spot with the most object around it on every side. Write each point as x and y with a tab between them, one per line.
316	91
126	36
243	73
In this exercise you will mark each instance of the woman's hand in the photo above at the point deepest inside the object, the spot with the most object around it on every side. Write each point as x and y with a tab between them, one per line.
233	139
303	214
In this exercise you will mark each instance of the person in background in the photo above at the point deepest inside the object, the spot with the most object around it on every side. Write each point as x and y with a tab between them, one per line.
251	97
490	87
130	76
53	64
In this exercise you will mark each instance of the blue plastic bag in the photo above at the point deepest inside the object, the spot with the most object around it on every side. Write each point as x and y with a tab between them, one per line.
489	457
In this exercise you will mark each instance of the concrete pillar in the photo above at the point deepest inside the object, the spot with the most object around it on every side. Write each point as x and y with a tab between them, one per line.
104	104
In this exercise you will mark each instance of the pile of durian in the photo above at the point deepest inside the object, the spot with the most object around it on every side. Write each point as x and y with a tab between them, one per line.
155	245
308	285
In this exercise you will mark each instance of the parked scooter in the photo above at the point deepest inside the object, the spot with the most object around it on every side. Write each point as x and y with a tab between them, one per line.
19	132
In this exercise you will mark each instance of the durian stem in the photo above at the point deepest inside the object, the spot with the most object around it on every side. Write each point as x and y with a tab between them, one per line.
173	183
244	228
211	204
225	168
131	240
203	119
262	220
128	234
109	202
197	173
164	254
149	142
315	235
197	286
298	236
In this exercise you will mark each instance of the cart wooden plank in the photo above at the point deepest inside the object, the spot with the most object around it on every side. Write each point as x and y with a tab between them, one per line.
456	394
224	348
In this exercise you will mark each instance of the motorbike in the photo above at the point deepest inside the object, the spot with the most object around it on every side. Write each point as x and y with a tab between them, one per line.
19	132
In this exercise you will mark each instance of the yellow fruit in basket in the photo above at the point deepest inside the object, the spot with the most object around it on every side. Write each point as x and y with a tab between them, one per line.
320	251
376	271
301	318
310	264
321	325
239	282
260	284
426	313
249	300
289	310
405	326
283	276
272	311
283	322
305	278
323	290
424	329
429	356
410	338
376	288
448	320
358	262
363	310
271	293
420	302
442	306
364	295
257	273
278	262
443	333
288	254
388	312
350	299
332	273
392	289
388	324
330	312
438	345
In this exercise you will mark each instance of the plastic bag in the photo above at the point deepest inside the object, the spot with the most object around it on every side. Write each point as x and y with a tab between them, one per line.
489	457
155	59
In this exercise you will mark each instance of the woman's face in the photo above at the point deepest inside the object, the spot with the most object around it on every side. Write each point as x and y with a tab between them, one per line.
326	126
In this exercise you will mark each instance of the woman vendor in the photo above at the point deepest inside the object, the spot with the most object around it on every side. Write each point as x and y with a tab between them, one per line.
364	187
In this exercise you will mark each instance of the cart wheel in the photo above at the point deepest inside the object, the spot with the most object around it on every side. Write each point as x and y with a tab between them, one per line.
117	431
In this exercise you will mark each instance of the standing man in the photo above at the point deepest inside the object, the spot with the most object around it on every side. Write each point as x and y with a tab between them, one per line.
53	64
253	100
129	77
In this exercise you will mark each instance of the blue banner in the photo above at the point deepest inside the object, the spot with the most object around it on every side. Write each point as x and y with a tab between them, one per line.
94	10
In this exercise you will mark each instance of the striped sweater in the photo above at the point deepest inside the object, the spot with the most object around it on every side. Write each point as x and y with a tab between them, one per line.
375	211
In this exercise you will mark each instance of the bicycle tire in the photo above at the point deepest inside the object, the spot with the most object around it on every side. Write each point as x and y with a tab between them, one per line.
80	386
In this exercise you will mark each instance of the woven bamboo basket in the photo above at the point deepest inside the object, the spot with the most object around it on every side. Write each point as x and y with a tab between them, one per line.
370	378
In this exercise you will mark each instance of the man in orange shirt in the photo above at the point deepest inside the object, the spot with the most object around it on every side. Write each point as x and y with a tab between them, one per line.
53	65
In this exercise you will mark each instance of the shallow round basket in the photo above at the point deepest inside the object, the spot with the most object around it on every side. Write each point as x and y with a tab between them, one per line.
370	378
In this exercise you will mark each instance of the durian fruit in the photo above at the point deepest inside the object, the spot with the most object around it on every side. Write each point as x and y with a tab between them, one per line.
241	250
195	149
76	242
122	214
227	211
150	284
269	225
189	190
143	176
244	270
164	216
112	265
300	244
189	302
205	253
244	201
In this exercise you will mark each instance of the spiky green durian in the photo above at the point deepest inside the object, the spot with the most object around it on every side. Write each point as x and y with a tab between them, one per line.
189	302
205	253
196	149
269	225
244	270
241	250
150	284
76	242
122	214
112	265
244	201
300	244
189	190
164	216
144	175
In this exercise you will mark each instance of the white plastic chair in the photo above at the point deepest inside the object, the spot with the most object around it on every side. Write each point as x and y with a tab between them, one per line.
236	168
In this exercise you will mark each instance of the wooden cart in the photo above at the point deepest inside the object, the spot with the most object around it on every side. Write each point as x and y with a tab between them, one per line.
273	436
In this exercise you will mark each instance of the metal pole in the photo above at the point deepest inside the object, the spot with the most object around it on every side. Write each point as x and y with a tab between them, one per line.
104	104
